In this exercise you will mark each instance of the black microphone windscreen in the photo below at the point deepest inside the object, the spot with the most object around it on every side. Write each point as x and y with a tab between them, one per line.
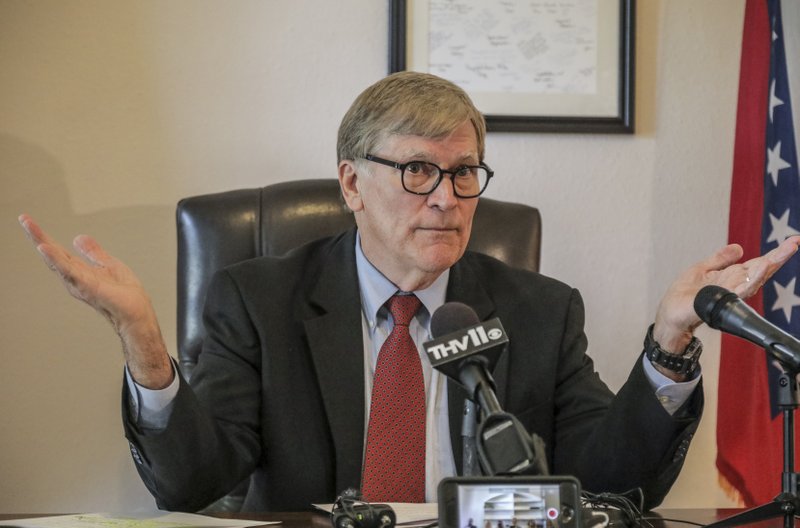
452	317
709	301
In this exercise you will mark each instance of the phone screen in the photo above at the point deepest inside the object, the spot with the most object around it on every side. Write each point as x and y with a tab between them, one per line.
512	505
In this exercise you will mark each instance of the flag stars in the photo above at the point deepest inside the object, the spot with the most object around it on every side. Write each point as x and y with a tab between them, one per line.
786	298
781	229
773	100
774	162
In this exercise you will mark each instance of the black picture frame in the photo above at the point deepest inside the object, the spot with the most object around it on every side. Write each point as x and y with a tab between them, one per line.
619	122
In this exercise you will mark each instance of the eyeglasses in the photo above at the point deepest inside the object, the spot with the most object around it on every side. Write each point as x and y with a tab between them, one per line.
422	177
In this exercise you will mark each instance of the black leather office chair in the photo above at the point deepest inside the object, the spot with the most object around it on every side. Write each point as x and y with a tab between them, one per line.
216	230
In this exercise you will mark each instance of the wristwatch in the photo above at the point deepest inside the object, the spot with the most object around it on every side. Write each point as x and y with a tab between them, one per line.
685	363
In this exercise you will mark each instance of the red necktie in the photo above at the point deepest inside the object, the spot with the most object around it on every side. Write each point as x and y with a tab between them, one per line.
394	461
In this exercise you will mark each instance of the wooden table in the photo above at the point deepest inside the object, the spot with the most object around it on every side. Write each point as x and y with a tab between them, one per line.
661	518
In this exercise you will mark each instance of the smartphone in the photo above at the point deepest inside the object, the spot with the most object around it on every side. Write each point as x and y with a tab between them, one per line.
509	502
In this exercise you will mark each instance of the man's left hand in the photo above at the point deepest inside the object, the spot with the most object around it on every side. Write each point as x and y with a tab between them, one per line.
676	318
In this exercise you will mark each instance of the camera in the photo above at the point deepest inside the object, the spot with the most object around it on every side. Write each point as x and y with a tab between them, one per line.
509	502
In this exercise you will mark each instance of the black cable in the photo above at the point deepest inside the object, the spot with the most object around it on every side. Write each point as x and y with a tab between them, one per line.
629	504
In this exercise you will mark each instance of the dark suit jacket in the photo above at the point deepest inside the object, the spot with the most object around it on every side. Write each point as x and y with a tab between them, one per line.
279	388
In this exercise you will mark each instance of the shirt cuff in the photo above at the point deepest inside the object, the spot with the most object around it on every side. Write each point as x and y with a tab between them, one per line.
672	394
151	409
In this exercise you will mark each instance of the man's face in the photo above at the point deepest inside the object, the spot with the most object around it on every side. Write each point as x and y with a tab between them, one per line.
412	239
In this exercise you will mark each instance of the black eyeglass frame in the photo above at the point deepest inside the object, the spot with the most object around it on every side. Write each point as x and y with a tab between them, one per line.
402	168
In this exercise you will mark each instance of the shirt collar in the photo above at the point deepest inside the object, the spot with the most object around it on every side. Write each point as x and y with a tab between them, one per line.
376	289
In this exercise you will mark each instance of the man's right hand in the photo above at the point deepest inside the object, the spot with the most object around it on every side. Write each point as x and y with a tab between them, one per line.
110	287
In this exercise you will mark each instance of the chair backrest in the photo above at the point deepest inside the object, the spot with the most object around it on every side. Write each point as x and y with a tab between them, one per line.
216	230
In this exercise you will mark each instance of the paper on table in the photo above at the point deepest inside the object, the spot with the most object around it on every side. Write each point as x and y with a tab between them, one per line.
407	513
158	519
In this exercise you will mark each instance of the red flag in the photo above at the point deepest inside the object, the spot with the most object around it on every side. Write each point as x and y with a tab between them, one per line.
749	428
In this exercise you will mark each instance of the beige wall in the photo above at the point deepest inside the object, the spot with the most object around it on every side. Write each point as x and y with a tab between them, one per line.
111	111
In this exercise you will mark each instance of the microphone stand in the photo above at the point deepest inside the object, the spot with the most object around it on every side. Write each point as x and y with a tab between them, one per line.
787	503
503	445
469	428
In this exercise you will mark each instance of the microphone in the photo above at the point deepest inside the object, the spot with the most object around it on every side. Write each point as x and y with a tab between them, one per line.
465	350
460	342
724	310
460	334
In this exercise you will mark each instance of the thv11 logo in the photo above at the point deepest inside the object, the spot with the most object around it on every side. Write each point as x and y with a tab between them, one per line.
475	338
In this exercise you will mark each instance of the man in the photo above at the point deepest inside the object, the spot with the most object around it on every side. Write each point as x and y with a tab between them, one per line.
282	333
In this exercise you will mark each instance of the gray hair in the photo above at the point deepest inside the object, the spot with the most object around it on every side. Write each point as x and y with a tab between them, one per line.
406	103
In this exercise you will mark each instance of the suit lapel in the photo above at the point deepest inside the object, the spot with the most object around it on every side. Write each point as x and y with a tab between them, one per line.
332	320
466	287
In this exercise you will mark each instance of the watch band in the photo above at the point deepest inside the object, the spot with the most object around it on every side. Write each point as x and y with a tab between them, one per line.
685	363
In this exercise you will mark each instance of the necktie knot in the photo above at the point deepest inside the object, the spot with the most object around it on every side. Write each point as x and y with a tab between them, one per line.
403	308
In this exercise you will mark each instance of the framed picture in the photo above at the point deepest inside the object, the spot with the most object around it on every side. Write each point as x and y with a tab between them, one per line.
528	65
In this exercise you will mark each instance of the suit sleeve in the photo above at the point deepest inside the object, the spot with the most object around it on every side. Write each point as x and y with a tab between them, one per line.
212	439
616	443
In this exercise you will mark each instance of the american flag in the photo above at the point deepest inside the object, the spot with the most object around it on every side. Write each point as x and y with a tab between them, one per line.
781	191
765	209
